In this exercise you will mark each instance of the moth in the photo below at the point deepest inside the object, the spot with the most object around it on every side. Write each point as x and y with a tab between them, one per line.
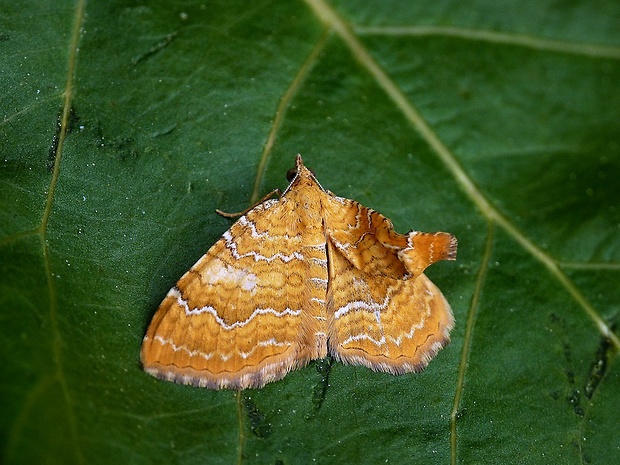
297	278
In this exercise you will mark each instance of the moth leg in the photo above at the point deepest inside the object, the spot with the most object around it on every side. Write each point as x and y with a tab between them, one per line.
277	192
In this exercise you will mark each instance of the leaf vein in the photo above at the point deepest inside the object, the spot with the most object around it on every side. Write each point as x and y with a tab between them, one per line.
494	37
468	336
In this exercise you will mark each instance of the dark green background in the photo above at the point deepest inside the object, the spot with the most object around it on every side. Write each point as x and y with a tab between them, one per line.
496	121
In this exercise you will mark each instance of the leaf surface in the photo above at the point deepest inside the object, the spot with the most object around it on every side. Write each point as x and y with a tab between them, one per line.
127	123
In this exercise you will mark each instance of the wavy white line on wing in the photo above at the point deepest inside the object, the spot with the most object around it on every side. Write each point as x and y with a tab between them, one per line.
174	292
232	246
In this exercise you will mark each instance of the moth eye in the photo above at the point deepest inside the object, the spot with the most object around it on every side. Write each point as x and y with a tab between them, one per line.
290	174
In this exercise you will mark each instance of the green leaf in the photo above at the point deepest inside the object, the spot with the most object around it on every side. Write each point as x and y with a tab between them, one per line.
127	123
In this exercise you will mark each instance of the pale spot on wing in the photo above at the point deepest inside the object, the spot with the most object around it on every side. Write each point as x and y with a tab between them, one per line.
220	273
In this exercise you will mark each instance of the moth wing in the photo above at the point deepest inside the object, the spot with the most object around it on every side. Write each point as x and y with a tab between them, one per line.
242	315
383	312
386	324
368	241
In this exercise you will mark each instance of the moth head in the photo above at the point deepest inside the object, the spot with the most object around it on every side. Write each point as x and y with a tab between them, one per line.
299	167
